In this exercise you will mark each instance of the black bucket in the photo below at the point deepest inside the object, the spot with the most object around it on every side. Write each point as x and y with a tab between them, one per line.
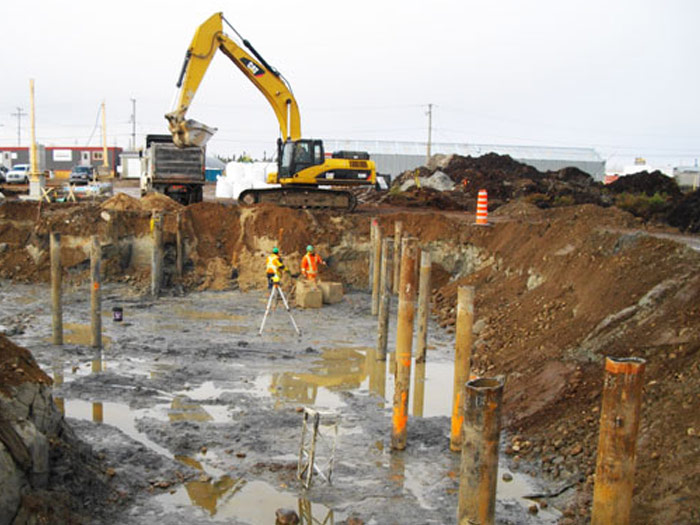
117	314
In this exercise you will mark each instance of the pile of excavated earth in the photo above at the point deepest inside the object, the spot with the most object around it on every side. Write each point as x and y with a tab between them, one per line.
453	182
564	275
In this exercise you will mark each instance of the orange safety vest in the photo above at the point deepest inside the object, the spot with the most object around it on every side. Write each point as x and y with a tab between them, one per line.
309	265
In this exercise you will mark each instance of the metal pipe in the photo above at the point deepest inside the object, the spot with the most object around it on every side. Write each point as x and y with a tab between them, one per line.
56	306
398	234
463	352
95	299
376	266
479	461
157	255
418	389
179	247
423	306
385	302
370	257
404	342
619	423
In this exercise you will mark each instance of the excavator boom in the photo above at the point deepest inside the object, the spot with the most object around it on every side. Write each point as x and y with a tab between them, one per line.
207	39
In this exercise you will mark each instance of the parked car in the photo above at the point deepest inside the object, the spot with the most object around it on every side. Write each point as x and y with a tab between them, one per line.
19	173
81	174
3	172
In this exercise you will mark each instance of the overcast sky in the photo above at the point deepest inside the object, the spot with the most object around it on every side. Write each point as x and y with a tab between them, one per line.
620	76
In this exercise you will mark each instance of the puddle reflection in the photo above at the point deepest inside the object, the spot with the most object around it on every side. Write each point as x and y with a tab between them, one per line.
81	334
115	414
183	410
357	368
228	499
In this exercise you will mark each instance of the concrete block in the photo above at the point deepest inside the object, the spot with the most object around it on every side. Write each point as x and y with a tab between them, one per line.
308	295
332	292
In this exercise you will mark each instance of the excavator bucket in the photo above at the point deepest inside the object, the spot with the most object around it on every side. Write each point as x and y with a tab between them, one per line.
190	132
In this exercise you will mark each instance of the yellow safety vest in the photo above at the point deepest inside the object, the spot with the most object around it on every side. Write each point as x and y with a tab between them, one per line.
273	263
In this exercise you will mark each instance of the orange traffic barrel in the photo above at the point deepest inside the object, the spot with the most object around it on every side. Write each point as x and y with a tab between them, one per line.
482	205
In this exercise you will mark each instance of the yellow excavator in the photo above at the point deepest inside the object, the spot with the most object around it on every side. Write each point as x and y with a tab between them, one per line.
302	165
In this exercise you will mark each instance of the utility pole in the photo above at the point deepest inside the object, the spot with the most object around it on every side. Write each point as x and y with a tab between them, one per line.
133	124
19	114
105	158
430	129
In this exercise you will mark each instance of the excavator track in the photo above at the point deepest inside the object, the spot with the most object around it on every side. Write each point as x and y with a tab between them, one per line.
295	197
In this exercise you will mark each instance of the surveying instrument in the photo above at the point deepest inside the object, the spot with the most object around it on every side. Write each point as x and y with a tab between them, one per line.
275	295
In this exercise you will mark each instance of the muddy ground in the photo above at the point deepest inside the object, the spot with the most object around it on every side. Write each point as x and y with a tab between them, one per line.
199	415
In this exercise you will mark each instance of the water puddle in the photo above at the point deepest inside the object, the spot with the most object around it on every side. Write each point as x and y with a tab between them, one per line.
204	315
81	334
343	369
116	414
227	499
515	495
335	371
519	490
182	410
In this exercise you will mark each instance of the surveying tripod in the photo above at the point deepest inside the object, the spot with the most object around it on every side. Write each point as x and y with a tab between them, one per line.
276	290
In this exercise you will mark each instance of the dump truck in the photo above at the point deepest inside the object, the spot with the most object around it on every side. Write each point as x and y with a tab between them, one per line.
176	172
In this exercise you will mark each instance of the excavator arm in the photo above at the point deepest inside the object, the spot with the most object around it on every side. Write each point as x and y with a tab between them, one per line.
207	39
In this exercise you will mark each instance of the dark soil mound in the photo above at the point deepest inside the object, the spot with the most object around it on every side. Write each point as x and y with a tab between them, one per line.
501	176
427	197
647	183
506	179
686	214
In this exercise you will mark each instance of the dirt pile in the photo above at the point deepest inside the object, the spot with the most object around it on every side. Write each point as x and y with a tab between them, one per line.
646	183
653	196
155	201
506	179
121	202
685	215
48	475
17	366
551	308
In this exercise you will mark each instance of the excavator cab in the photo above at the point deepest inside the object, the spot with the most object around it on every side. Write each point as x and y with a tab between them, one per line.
297	155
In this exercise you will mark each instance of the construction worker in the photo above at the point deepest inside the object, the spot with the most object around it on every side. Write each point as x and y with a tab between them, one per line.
310	262
273	267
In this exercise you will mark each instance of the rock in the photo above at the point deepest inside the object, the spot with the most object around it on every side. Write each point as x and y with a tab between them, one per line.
440	181
478	326
286	517
576	450
332	292
308	295
507	477
533	509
